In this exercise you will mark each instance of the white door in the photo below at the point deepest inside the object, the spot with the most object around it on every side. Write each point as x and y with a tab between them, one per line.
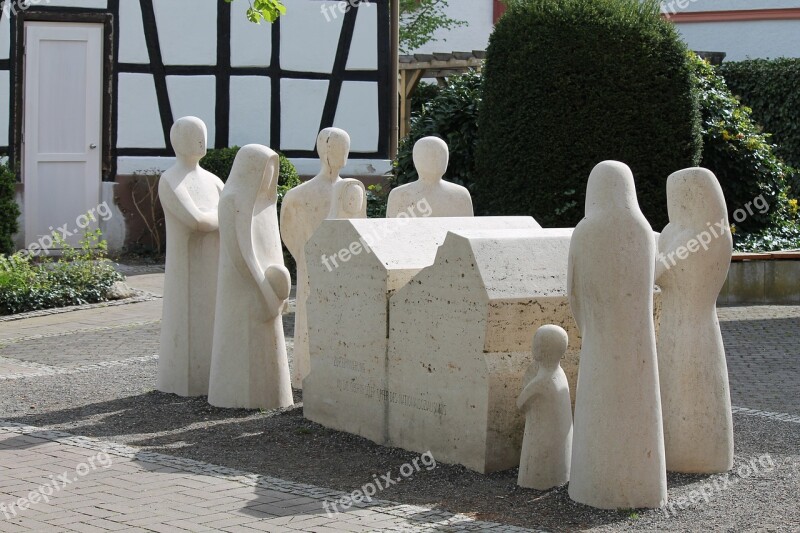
62	127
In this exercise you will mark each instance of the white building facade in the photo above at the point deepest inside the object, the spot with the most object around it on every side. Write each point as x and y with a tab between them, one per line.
741	28
89	90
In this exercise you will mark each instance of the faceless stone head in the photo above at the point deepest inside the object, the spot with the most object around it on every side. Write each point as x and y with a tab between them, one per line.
189	137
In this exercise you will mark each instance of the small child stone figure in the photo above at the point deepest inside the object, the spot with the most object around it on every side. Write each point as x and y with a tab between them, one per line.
547	444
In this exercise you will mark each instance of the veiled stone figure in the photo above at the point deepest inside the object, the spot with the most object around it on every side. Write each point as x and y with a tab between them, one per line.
694	255
431	157
189	196
547	444
618	440
303	210
249	366
348	200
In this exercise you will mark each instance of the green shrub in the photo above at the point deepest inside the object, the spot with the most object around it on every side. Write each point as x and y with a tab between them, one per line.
9	210
377	201
219	162
772	89
79	276
451	115
574	82
740	155
422	95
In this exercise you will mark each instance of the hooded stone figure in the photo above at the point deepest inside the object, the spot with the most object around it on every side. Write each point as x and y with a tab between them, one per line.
348	200
694	255
618	440
249	366
303	210
189	196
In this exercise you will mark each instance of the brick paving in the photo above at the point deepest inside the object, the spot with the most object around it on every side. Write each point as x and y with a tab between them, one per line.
145	491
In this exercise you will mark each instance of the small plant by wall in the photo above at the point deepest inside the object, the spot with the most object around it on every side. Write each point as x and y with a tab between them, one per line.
9	210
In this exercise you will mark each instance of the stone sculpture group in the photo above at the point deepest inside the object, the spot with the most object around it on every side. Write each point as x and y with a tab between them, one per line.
646	399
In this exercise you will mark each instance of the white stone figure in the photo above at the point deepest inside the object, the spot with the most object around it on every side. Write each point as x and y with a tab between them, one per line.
694	255
302	211
547	444
189	196
348	200
431	156
618	438
249	365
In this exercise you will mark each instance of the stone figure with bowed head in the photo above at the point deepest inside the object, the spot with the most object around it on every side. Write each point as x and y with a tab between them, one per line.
303	210
695	396
249	365
189	196
618	437
547	444
348	200
431	156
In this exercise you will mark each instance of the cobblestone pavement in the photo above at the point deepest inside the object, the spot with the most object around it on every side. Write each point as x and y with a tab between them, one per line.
53	481
762	344
145	491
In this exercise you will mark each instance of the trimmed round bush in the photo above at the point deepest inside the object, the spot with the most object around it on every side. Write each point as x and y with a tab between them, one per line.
571	83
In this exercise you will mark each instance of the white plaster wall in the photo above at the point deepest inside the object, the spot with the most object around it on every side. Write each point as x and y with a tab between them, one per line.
305	166
187	31
95	4
745	40
302	102
309	39
354	167
139	122
132	44
363	50
194	96
251	44
479	15
5	37
725	5
251	98
113	229
357	114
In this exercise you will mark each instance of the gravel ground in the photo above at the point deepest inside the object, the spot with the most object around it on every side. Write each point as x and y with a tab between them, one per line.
121	405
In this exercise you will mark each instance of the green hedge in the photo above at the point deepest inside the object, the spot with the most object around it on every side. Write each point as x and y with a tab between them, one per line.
9	210
574	82
451	113
740	155
772	89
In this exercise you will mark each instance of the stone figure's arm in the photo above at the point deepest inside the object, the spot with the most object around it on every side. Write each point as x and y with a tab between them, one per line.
391	205
528	394
571	288
290	229
468	202
272	282
180	204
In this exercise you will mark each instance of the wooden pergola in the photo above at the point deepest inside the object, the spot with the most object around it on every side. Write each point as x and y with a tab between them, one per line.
413	68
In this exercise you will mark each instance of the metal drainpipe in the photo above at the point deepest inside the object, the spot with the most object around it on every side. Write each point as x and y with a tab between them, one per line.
395	66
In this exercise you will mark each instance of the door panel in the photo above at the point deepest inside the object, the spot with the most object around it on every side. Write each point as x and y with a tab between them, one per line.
63	125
